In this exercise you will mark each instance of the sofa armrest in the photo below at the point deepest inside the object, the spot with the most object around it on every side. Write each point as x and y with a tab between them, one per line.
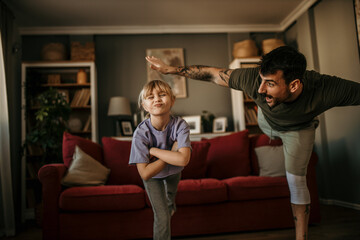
50	176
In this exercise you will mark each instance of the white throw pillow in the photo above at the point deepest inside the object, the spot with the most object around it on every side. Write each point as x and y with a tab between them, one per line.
85	171
271	161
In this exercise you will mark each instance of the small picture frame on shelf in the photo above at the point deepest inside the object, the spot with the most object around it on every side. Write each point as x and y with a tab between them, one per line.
194	123
126	128
219	125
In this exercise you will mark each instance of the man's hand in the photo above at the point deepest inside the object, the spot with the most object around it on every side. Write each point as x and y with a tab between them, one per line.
158	65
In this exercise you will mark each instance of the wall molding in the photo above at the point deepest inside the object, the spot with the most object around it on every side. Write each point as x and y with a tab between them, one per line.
340	203
160	29
296	13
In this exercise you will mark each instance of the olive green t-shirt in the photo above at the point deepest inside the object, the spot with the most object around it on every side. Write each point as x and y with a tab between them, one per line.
320	93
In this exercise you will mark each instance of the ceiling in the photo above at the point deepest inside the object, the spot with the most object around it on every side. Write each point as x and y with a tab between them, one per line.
155	16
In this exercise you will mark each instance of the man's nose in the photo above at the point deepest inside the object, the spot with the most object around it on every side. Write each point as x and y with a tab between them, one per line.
261	88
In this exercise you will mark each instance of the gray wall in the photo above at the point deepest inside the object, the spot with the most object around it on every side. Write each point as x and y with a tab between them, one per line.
327	36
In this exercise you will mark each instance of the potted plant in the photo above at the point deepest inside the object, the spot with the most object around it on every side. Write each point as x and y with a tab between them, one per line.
51	116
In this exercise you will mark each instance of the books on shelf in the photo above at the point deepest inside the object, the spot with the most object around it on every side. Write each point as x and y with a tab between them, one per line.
251	115
81	98
87	124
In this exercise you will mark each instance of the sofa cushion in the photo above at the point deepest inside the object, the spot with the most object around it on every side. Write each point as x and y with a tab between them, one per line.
85	171
200	191
197	166
228	156
271	161
254	187
259	141
89	147
116	157
103	198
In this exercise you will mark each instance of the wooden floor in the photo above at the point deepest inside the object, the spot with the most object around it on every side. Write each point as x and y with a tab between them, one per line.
338	223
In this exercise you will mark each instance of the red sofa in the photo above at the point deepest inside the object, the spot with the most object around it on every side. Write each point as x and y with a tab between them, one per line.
220	192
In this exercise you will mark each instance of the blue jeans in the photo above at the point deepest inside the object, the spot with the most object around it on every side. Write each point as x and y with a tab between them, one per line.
162	192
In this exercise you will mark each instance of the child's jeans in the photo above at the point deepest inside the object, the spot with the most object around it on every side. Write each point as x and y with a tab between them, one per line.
162	192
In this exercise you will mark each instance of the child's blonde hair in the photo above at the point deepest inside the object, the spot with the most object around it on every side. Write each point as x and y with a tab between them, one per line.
159	85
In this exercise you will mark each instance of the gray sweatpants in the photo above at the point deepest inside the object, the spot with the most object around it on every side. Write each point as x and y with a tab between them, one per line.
161	193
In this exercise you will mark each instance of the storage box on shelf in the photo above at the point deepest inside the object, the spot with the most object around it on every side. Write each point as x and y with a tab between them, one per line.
38	77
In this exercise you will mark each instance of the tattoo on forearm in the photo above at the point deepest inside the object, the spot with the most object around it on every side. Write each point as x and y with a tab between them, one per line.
305	236
295	218
225	75
195	72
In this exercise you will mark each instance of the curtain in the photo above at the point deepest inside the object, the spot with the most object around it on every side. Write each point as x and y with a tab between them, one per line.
7	217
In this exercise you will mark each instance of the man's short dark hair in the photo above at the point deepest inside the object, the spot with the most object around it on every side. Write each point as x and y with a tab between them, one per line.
286	59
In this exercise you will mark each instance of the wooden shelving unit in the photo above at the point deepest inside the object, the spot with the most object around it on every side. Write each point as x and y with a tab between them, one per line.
36	75
244	108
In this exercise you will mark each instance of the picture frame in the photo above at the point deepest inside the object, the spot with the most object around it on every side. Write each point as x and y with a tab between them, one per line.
194	123
126	128
173	57
220	124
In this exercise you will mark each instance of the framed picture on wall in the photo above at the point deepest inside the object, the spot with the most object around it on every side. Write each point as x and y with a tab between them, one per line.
219	124
173	57
194	123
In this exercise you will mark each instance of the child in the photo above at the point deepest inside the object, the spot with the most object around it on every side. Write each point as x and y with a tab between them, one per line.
160	149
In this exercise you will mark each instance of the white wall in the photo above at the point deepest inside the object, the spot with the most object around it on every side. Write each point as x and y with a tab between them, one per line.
327	36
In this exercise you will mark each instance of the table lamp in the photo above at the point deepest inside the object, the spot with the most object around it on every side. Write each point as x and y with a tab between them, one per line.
119	107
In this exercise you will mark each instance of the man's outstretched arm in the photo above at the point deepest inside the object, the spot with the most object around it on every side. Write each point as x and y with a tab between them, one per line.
218	76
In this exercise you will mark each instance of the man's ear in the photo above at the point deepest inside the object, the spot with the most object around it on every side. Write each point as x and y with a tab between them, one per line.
294	85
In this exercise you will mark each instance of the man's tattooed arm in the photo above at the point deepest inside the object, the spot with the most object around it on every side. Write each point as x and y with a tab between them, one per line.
218	76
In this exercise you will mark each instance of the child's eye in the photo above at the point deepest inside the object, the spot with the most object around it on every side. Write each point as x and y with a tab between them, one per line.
150	97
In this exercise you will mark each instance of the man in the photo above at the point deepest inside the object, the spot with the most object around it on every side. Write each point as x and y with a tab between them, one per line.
289	99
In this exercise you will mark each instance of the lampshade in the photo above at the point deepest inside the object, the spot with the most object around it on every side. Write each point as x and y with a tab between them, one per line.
119	106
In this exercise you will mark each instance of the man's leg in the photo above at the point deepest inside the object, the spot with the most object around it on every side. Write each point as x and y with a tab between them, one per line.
298	146
300	204
301	215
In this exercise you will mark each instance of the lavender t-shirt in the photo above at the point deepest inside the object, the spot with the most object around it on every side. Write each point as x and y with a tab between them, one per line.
146	137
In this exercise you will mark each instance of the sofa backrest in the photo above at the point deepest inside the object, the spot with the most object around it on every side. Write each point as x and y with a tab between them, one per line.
221	157
229	156
116	157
